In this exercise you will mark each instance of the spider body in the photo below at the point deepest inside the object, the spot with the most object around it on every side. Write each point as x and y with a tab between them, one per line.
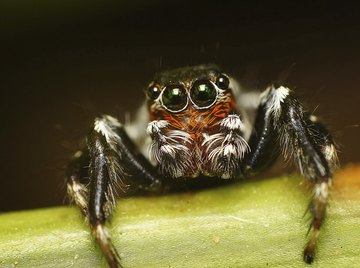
199	123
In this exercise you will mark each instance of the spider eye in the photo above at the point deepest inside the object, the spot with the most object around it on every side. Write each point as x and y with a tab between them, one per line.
222	82
153	92
203	93
174	98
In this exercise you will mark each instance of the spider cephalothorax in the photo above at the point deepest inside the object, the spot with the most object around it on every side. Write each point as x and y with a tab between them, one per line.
198	122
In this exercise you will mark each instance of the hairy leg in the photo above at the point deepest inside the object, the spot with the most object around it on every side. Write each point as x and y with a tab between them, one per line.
307	142
114	165
282	123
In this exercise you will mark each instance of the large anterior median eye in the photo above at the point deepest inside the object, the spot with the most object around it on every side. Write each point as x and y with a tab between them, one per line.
203	93
174	98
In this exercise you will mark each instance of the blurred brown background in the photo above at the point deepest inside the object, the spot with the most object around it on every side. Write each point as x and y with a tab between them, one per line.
64	62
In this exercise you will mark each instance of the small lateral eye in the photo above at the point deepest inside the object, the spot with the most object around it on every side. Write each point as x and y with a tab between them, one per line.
174	98
153	91
222	82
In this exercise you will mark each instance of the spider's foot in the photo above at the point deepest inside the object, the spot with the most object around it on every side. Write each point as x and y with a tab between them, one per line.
107	247
310	247
308	255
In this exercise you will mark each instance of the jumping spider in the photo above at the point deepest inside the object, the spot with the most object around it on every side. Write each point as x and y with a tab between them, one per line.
200	124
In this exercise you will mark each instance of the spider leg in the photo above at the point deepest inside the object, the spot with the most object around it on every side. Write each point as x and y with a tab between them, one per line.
262	151
114	165
306	141
321	184
77	180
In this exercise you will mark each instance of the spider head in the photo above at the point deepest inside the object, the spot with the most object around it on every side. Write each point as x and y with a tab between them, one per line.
191	99
187	109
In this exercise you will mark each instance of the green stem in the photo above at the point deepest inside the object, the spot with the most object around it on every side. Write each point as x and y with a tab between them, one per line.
255	223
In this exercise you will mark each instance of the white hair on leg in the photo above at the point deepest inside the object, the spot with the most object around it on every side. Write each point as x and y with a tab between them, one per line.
106	126
321	191
79	194
275	97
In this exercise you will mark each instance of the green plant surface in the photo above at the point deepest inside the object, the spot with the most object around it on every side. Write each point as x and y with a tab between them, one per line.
255	223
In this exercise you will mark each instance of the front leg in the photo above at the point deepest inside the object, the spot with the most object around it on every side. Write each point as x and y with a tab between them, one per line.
302	138
114	165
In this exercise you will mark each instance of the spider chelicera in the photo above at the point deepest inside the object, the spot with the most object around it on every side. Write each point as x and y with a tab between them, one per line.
198	123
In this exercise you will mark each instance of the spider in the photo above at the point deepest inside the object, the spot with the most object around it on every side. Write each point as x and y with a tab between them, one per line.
198	123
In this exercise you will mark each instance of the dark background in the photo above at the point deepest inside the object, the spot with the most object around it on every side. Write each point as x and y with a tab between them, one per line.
64	62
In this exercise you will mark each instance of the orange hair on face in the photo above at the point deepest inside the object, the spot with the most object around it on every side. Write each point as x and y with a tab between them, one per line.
196	121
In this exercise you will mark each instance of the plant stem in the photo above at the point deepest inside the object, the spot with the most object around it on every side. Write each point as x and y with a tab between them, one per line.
255	223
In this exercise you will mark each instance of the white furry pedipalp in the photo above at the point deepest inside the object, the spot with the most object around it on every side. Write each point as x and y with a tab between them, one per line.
224	150
170	149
